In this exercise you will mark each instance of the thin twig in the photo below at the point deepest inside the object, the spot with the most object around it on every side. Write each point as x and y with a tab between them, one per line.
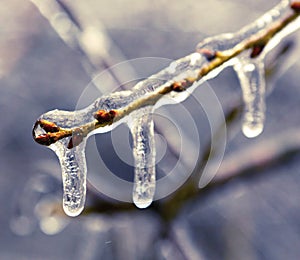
168	208
93	61
105	118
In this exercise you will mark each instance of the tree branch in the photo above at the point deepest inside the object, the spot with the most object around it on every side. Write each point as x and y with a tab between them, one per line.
204	62
102	118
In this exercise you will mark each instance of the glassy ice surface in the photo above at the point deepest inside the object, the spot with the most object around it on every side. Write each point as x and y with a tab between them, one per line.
228	40
73	166
251	70
73	162
250	73
252	80
142	130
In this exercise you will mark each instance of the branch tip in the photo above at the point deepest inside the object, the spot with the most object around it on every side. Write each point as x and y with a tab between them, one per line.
43	139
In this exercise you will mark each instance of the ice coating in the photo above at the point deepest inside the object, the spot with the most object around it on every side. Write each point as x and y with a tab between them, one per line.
229	40
72	161
252	80
146	95
250	66
72	157
73	166
142	130
178	70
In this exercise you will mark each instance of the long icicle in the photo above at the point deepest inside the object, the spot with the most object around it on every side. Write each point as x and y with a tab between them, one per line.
252	79
142	130
74	171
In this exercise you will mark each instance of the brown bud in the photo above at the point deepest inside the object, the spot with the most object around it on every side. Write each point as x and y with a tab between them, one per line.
296	6
177	87
112	113
256	50
48	126
43	139
105	117
208	54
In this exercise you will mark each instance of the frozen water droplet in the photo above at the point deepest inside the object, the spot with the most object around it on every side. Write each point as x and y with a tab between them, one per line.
144	157
252	130
251	76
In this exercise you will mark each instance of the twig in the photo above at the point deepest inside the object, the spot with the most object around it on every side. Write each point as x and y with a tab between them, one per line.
167	209
93	60
104	118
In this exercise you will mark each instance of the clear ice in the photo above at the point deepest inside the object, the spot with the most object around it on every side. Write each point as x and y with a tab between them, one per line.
250	70
73	166
250	73
142	130
73	162
252	80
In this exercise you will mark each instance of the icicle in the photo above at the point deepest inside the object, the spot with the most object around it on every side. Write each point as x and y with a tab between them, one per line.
144	156
251	76
71	154
73	166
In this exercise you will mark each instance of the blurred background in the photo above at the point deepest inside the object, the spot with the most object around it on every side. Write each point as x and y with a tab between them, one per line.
49	52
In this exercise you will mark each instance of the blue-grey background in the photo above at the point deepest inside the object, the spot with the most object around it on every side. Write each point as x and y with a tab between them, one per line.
257	217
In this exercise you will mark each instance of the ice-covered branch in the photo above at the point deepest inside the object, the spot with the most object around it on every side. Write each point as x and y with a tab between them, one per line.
65	132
